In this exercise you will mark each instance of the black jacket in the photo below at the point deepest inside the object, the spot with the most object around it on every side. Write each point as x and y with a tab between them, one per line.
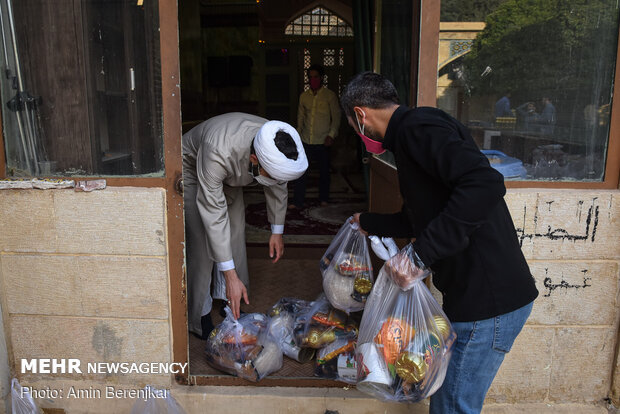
454	207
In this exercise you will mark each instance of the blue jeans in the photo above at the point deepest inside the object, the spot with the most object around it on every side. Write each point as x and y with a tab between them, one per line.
478	352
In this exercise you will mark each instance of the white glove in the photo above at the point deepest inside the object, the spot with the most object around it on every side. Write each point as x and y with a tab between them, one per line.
391	246
384	248
379	248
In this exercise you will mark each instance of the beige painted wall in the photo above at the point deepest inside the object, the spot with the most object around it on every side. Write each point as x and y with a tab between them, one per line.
84	275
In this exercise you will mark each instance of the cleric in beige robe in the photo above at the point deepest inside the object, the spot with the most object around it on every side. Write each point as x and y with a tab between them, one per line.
220	157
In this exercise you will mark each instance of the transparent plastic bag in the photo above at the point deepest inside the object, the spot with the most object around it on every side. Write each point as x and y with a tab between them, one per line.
281	327
291	306
321	324
347	270
244	347
158	401
21	399
405	340
337	361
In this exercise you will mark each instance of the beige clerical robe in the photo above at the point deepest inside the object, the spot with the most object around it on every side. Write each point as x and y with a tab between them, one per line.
216	161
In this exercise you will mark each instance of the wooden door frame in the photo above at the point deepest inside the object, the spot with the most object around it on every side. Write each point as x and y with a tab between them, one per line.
173	166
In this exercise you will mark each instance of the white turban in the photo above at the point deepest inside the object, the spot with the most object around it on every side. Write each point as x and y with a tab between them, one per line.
277	165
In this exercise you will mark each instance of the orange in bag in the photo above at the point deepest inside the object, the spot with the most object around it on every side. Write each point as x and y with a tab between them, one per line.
394	335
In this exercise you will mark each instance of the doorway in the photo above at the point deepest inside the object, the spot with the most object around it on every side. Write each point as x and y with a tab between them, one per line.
238	58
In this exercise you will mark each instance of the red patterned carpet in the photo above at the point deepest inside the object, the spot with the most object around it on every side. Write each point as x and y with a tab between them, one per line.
313	219
313	224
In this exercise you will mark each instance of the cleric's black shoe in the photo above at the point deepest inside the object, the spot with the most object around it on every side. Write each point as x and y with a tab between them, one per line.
207	326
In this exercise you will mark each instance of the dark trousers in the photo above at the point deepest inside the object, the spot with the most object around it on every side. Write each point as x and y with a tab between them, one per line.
317	154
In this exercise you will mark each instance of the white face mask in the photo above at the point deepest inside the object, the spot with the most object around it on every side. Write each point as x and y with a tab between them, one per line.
261	179
267	182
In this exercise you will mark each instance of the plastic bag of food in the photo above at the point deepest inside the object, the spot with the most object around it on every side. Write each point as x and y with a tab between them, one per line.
347	270
405	340
21	400
281	327
337	361
244	347
320	324
157	401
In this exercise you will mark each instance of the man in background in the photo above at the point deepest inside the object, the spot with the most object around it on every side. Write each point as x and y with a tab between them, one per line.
502	106
547	117
318	120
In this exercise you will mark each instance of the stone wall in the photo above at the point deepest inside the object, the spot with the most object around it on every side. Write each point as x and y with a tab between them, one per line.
85	275
567	350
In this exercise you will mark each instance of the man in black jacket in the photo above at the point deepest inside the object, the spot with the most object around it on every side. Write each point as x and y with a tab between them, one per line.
461	228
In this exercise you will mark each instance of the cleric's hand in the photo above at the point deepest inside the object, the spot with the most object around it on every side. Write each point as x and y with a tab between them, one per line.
235	290
276	247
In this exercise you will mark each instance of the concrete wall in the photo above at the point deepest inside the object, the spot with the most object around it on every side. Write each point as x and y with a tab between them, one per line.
84	275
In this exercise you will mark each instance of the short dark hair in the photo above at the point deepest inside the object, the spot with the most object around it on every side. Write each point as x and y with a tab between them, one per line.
368	89
318	68
285	143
